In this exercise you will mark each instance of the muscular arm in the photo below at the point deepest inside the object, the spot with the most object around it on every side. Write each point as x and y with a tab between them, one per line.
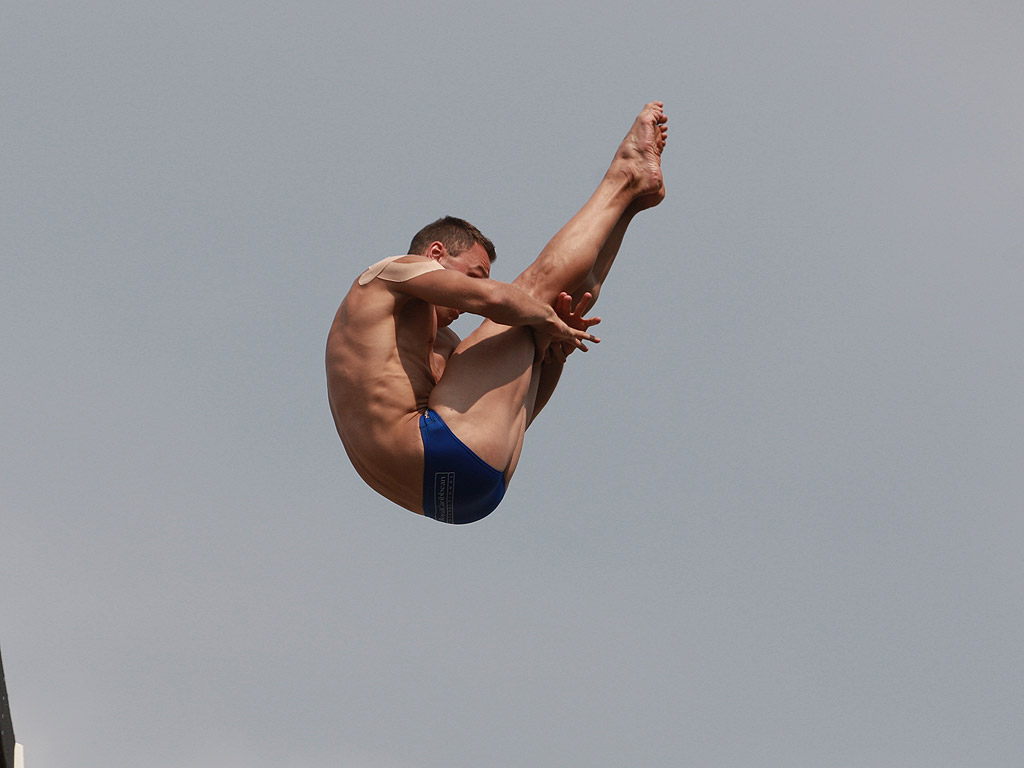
501	302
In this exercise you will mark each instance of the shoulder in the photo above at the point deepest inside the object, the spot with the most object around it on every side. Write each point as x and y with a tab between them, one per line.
398	269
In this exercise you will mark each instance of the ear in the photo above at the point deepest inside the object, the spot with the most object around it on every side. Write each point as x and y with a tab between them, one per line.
436	250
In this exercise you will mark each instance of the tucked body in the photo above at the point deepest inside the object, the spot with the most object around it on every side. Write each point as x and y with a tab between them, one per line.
402	386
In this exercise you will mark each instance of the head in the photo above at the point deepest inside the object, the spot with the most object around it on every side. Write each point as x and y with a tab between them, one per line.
457	236
454	244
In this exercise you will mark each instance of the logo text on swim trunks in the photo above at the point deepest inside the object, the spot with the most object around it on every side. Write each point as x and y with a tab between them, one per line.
444	496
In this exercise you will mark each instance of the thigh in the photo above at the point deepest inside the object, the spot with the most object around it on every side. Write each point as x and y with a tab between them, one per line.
486	392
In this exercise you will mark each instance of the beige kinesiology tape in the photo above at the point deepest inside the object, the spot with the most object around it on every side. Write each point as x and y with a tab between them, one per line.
395	271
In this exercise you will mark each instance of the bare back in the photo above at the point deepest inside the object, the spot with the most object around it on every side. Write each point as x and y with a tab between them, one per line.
384	357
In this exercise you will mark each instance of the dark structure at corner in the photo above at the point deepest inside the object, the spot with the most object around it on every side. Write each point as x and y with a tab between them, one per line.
6	728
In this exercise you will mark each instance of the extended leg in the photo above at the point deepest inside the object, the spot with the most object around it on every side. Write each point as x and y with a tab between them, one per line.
490	384
633	181
546	376
593	281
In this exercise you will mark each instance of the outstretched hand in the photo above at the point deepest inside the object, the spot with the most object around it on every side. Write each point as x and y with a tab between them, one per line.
560	349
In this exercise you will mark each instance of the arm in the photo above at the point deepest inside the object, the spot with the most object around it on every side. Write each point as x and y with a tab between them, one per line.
501	302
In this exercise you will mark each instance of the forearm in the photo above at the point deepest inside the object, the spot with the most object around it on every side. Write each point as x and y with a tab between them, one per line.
501	302
505	304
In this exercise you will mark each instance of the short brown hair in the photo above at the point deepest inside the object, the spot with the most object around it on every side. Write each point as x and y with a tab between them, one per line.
457	235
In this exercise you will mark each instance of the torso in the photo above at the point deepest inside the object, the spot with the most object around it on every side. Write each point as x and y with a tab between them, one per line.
385	354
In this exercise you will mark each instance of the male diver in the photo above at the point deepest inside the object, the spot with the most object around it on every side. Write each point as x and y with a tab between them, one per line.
435	423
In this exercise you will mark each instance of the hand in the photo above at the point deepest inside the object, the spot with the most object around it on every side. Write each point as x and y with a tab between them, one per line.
558	351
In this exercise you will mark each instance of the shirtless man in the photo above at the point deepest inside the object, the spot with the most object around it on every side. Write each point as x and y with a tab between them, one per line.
402	385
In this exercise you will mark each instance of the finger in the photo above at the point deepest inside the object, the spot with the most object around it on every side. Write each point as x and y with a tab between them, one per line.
584	337
583	302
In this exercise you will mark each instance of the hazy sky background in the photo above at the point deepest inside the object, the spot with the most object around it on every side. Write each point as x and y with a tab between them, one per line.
775	519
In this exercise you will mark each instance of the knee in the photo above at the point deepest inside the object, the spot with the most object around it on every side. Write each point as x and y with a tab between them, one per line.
533	282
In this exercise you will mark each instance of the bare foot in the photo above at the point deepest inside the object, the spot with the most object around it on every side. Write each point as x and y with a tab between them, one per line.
638	158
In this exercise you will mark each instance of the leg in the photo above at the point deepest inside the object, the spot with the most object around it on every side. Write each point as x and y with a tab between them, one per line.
549	374
632	182
486	391
490	384
606	257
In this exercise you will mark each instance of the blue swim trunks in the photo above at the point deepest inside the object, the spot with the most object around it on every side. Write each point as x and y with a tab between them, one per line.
458	486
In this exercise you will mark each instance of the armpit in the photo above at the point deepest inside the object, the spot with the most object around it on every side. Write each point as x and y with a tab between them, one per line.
394	271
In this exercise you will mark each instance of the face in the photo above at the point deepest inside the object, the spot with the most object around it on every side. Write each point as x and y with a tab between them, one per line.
473	263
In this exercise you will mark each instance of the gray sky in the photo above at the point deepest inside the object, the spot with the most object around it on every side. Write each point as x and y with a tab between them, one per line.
775	519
